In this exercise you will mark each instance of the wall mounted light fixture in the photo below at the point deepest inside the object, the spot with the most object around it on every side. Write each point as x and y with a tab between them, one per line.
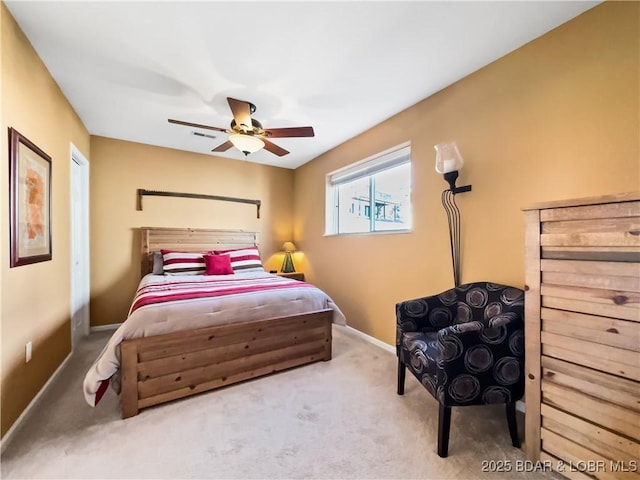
448	162
287	265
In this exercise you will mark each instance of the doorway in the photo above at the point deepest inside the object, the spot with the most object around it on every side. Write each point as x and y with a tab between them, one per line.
80	281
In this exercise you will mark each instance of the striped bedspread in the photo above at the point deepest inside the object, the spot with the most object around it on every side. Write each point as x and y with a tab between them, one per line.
188	290
166	304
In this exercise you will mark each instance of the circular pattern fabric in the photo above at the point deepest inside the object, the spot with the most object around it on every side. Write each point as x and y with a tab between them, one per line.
410	338
464	388
479	345
502	319
478	358
449	348
467	327
496	394
429	383
418	360
512	296
448	298
442	377
494	335
516	343
506	371
464	313
441	394
416	308
405	325
440	317
493	309
477	297
432	347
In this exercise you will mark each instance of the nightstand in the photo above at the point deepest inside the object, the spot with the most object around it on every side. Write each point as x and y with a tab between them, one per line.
295	275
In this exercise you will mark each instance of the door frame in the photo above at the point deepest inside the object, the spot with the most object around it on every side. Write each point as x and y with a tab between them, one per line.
81	298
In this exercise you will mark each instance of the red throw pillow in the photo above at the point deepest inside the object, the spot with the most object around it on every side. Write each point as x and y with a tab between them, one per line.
218	265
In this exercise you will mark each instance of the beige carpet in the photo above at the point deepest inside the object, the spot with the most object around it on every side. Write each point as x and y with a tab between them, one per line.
337	419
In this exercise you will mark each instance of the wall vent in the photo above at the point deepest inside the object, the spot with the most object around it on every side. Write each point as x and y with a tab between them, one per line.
200	134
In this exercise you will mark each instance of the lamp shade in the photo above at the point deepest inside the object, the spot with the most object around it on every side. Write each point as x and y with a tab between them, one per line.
246	143
448	158
289	247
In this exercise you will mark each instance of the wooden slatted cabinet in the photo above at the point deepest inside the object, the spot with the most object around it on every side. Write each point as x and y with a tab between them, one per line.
582	333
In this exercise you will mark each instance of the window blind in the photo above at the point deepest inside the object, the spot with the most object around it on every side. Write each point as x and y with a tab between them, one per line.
389	159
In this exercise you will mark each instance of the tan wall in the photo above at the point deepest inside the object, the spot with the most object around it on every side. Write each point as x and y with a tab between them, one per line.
35	302
3	192
120	168
557	118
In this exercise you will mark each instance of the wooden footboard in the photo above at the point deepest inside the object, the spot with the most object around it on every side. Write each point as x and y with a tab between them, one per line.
162	368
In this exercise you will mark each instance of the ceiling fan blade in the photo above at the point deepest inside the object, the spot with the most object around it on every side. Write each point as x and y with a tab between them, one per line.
289	132
273	148
197	125
241	113
223	147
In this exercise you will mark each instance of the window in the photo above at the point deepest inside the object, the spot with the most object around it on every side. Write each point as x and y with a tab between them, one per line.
373	195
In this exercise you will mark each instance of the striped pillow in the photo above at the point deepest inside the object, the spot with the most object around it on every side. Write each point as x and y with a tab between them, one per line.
244	259
182	263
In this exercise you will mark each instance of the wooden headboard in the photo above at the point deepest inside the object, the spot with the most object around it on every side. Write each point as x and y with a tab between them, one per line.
154	239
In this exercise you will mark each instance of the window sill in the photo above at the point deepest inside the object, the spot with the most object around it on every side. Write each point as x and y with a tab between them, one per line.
382	232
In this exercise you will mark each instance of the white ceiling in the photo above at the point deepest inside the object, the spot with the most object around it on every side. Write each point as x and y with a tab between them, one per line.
341	67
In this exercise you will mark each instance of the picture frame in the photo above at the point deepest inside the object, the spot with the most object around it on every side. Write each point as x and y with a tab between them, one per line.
29	201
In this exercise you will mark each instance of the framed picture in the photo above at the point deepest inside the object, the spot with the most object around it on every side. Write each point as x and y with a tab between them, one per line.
29	201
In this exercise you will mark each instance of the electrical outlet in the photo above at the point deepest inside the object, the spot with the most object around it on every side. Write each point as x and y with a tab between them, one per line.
28	352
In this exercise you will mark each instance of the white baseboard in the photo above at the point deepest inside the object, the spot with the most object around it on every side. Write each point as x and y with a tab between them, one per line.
6	439
390	348
103	328
373	340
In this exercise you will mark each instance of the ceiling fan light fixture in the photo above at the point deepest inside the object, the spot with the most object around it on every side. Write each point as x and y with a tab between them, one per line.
245	132
246	143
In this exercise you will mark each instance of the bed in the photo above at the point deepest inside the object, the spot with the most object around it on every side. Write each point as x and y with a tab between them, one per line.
186	334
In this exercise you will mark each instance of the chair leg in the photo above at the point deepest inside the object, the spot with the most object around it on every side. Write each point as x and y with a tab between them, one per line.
444	425
513	425
402	368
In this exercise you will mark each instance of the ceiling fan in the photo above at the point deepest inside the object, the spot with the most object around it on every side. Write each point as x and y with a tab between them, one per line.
247	134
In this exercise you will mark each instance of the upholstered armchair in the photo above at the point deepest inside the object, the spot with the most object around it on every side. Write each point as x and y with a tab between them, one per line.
466	347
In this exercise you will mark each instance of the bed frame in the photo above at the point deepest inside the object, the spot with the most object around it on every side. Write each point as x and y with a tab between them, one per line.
163	368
